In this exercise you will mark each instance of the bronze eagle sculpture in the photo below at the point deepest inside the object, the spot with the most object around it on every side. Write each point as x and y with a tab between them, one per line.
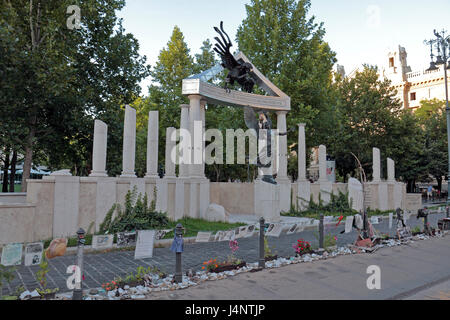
239	70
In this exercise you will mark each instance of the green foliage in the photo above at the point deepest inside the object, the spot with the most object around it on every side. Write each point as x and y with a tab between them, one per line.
416	230
286	44
339	206
267	249
137	215
6	275
64	79
41	274
193	226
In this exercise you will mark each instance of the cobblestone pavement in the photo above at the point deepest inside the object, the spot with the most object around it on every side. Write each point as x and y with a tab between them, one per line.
103	267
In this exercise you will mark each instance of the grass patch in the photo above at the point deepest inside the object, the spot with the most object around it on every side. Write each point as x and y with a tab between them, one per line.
193	226
17	187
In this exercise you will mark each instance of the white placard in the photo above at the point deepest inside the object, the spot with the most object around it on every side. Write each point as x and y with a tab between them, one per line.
160	234
250	231
33	253
126	239
374	220
274	230
219	235
292	228
144	244
203	236
391	217
102	241
229	235
240	232
12	254
349	224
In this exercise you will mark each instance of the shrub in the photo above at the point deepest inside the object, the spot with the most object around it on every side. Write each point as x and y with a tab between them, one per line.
137	216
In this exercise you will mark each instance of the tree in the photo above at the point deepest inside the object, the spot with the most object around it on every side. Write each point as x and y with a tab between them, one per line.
432	117
288	48
366	112
66	78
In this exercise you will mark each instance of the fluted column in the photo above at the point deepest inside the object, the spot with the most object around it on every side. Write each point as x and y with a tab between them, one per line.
99	150
186	141
323	163
152	145
282	146
196	129
376	165
203	118
391	170
170	153
129	143
301	152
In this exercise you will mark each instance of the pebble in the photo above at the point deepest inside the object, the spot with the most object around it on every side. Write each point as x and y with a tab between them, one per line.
93	292
157	284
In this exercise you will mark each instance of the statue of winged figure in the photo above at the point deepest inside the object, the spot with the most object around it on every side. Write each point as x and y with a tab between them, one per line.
264	160
239	70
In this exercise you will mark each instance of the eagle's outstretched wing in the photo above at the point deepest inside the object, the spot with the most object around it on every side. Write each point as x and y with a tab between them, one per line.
223	46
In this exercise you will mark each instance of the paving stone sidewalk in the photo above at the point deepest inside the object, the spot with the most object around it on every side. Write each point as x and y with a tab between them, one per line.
104	267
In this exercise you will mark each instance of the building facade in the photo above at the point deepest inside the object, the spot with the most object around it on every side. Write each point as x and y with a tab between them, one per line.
412	86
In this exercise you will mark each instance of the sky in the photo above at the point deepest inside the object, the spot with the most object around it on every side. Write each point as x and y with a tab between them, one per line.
359	31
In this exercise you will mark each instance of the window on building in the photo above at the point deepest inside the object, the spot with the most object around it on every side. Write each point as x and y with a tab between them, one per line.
391	62
413	96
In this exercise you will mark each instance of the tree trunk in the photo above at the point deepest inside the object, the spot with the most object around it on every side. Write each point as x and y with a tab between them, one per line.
5	172
439	181
12	177
28	158
411	186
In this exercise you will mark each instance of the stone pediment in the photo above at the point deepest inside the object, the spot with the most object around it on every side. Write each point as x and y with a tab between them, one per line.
276	100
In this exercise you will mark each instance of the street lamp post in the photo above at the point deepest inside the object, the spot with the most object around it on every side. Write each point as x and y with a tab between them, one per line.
442	44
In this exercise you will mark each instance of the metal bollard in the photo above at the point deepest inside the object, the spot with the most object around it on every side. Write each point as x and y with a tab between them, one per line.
321	232
78	291
177	247
262	259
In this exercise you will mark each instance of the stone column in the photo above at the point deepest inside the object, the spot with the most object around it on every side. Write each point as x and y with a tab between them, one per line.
282	146
129	143
152	145
99	150
304	186
301	152
196	128
376	165
203	118
170	153
326	187
323	164
391	170
281	161
185	145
